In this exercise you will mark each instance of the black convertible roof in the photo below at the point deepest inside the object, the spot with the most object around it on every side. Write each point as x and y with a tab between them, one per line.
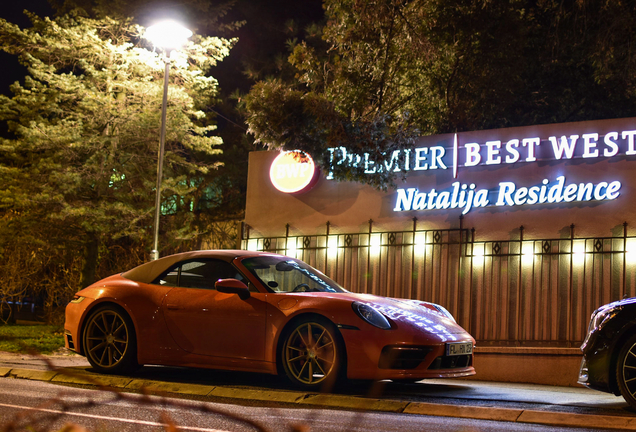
149	271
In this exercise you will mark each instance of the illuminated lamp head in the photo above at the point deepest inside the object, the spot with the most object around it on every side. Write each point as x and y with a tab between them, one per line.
293	172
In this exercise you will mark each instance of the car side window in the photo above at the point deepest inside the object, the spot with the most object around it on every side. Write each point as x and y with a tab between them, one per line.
198	274
169	277
202	273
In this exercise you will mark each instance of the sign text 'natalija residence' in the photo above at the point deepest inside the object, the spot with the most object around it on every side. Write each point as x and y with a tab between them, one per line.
466	197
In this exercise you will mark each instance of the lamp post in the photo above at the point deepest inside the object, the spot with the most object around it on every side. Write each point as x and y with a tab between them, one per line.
168	35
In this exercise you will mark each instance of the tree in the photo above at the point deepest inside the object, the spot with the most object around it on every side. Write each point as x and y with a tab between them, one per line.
353	91
78	172
389	70
202	16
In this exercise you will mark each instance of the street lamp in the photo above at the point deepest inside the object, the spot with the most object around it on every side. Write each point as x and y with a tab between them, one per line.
168	35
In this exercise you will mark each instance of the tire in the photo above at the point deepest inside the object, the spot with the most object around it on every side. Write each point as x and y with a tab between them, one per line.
313	354
109	341
626	371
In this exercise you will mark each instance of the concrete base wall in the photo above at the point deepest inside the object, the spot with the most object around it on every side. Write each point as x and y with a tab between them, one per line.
549	366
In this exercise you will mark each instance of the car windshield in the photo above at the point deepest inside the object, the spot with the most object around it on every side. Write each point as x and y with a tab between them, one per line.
284	275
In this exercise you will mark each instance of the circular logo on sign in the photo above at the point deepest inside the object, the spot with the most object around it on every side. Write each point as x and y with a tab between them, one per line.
293	171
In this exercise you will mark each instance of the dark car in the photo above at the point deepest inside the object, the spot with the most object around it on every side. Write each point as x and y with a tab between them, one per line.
609	350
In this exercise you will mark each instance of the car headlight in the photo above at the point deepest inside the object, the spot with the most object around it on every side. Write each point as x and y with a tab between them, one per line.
371	315
598	319
78	299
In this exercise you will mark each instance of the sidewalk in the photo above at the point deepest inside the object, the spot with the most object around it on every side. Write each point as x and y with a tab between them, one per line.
63	358
531	393
523	403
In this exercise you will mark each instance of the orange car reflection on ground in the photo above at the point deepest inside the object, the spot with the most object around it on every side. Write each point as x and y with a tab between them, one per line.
260	312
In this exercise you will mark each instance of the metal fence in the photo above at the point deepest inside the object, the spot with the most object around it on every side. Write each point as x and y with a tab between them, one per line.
513	292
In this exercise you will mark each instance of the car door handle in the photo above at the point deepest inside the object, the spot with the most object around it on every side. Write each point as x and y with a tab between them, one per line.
172	306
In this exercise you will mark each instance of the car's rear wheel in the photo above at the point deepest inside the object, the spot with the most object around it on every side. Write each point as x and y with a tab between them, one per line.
109	340
312	354
626	371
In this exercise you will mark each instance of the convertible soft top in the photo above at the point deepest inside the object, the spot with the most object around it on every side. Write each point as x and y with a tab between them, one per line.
147	272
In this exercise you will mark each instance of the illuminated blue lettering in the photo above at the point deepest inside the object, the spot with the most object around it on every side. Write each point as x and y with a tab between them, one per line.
468	197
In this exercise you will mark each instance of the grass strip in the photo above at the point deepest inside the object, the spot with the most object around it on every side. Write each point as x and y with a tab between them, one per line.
43	339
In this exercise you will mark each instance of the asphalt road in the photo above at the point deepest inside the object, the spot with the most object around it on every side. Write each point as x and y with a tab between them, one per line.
40	405
193	394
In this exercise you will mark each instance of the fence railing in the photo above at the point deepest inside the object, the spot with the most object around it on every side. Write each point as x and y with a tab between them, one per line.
509	292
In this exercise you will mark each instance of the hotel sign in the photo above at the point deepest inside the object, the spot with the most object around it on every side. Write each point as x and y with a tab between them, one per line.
462	157
293	172
508	194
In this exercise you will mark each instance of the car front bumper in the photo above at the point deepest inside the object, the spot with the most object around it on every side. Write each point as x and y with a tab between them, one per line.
595	367
74	315
382	357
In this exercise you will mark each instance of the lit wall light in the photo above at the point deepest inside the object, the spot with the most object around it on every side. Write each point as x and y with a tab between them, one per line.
252	245
630	251
578	252
375	242
527	252
478	253
291	247
419	242
332	244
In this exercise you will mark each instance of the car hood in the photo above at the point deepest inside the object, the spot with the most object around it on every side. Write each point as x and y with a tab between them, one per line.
410	313
616	304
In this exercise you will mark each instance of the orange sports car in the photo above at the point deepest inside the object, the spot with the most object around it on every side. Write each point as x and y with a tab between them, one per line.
260	312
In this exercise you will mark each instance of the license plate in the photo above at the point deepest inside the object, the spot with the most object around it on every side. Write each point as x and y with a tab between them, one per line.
459	348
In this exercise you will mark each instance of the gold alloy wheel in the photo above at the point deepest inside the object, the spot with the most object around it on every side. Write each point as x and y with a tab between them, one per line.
310	353
107	338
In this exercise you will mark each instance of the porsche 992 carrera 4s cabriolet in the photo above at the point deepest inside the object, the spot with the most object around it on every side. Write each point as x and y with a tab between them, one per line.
260	312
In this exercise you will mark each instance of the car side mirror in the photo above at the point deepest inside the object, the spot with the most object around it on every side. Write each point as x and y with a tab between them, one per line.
233	286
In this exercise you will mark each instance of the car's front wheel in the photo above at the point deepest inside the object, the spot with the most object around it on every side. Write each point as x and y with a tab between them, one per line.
312	354
626	371
109	340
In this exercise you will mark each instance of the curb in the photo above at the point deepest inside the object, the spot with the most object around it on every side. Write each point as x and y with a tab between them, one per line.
332	401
